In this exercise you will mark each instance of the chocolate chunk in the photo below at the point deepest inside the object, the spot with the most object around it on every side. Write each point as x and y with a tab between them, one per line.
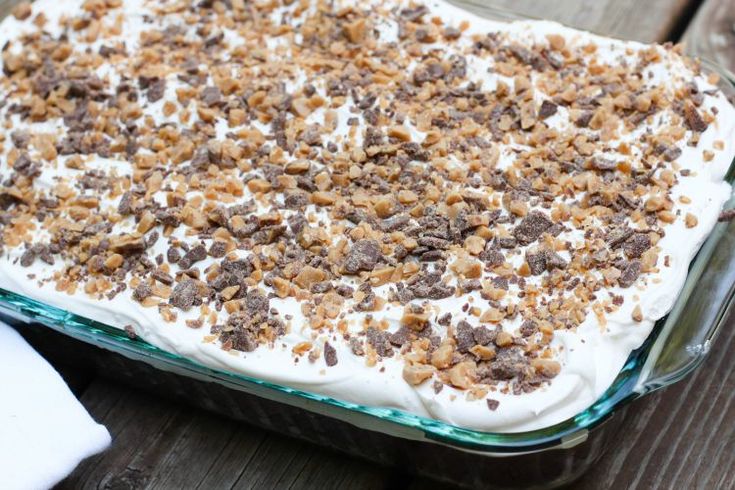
125	206
636	245
156	90
464	335
507	242
630	273
379	340
394	223
321	287
194	255
414	14
492	257
257	302
173	255
400	252
162	277
500	282
584	119
169	217
528	328
547	109
330	354
185	294
600	163
505	369
367	102
429	285
492	404
483	335
441	291
20	138
26	167
363	256
344	290
369	302
218	249
451	33
469	285
142	292
296	200
671	153
536	262
28	257
433	242
617	236
211	96
242	332
531	227
726	215
401	336
356	346
692	118
431	255
554	261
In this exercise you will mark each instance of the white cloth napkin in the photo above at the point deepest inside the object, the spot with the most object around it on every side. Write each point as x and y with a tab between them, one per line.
44	431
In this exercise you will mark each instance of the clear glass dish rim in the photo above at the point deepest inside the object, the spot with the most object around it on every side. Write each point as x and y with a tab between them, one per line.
563	434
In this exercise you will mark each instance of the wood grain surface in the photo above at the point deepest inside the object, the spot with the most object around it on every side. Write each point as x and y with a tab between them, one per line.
640	20
711	34
680	437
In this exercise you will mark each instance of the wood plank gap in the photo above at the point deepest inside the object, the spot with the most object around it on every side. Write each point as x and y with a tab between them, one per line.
681	24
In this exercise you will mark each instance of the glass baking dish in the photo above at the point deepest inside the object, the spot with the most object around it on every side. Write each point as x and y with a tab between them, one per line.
550	456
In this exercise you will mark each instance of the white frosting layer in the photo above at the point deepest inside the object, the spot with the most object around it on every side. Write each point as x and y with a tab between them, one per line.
591	356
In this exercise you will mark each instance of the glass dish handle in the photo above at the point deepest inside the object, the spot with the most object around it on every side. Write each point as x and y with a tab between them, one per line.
693	324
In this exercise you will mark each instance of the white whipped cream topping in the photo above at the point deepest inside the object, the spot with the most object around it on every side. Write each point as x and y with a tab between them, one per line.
591	356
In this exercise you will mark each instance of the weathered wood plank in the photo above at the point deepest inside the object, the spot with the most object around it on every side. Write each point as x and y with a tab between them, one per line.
159	445
681	437
135	421
648	20
235	456
711	34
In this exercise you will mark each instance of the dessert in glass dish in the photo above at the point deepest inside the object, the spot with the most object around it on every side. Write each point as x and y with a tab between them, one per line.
391	204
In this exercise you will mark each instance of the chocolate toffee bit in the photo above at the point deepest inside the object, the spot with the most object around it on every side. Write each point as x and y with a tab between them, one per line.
464	336
272	175
130	331
142	291
363	256
630	273
726	215
547	109
693	119
531	227
636	245
536	262
330	355
185	294
379	340
194	255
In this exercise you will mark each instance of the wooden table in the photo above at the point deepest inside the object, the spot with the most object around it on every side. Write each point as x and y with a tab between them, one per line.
682	437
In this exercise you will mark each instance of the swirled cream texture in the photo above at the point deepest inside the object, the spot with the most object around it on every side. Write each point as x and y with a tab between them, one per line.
589	354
